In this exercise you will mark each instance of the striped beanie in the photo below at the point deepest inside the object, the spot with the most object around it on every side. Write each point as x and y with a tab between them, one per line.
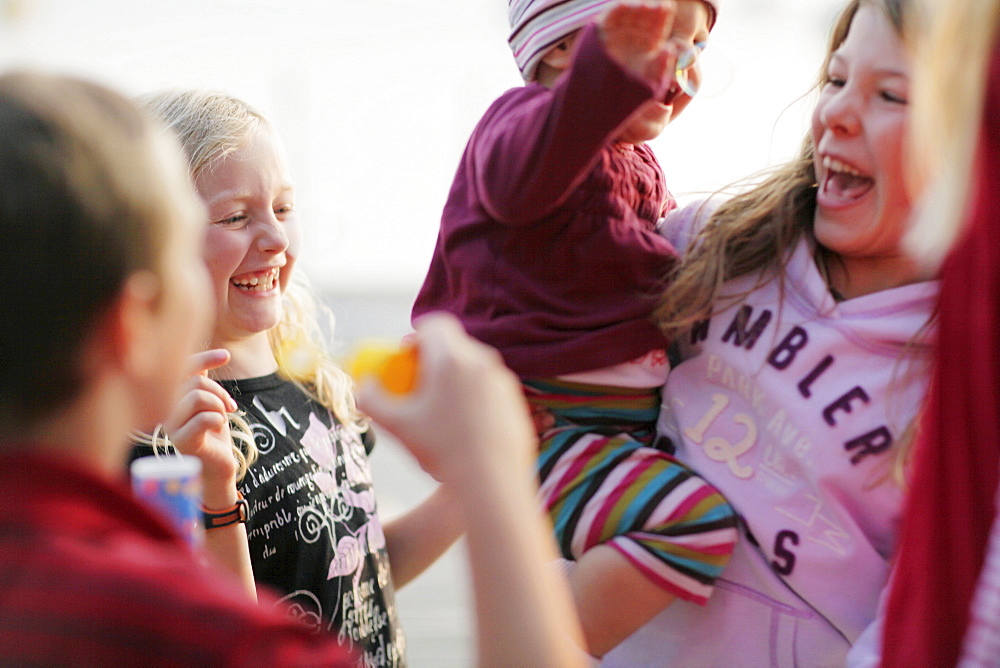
538	25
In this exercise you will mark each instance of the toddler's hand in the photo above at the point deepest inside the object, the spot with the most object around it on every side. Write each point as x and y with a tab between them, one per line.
199	423
634	33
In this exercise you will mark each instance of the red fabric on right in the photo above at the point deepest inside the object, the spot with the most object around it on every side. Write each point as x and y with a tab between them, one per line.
950	507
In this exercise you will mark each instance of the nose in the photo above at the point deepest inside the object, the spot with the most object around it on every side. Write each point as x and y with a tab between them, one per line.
272	237
839	112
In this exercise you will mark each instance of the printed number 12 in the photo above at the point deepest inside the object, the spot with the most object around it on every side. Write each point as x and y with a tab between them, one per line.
719	449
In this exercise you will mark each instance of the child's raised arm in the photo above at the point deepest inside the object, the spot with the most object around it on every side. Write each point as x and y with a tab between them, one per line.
533	148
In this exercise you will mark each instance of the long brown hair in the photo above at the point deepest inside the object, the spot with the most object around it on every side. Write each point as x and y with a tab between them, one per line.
753	231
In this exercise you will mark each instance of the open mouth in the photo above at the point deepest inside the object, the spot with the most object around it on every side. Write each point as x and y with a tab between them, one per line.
844	183
259	281
672	93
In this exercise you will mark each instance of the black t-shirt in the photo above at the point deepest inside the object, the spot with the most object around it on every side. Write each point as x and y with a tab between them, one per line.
314	531
313	527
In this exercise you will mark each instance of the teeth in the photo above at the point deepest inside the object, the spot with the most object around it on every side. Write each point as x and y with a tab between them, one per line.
835	165
259	283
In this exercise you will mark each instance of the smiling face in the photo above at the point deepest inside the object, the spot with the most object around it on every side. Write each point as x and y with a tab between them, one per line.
859	129
252	239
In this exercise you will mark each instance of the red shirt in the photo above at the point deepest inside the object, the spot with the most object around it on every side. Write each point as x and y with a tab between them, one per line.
88	576
956	458
547	248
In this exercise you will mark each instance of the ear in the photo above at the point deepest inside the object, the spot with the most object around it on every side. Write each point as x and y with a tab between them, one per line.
127	331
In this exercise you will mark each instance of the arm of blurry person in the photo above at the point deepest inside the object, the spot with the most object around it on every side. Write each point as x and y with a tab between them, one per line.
467	425
199	426
416	539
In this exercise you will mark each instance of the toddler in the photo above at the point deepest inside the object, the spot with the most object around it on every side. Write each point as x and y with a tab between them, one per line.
548	251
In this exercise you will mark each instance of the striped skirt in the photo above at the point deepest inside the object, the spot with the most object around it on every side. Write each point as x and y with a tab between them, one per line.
603	483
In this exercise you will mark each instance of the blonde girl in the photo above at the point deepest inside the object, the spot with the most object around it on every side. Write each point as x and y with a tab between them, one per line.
313	528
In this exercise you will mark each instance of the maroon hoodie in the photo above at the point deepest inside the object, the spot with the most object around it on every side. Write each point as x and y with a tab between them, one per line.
548	249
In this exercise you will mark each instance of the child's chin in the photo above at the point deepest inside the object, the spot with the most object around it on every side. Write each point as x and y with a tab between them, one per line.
640	133
679	106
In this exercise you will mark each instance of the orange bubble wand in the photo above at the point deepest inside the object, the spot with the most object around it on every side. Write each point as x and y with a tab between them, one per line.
395	366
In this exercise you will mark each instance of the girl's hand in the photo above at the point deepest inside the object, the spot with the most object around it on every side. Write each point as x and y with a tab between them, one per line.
199	426
634	33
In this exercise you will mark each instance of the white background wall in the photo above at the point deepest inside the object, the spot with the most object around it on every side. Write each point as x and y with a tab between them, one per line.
376	98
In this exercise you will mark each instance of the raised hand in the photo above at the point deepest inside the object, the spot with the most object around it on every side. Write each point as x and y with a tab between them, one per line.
199	425
634	33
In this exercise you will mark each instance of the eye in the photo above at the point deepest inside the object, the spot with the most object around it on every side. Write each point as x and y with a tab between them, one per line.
835	81
895	98
235	220
284	209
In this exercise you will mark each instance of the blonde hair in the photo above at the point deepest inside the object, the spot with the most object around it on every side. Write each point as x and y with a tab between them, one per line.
957	38
211	126
300	347
754	231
